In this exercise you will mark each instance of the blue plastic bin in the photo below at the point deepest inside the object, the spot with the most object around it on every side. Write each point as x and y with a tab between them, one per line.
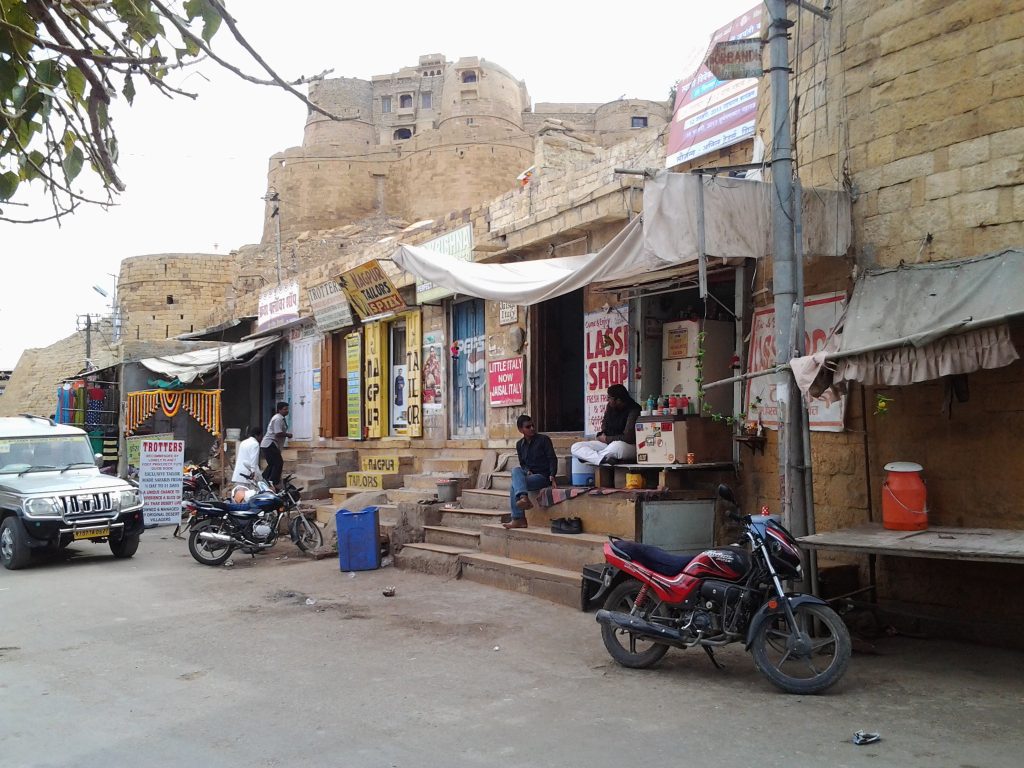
358	539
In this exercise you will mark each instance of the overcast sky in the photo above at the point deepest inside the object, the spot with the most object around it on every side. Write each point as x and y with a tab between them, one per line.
195	171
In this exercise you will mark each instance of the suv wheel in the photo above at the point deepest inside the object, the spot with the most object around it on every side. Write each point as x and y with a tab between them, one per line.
124	547
14	550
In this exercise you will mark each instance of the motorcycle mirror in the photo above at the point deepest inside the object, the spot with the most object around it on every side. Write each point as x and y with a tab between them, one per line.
725	494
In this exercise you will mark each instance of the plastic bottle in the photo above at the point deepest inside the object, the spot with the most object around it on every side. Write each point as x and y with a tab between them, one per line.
650	404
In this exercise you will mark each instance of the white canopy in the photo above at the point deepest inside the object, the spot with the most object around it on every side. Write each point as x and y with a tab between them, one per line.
736	225
189	366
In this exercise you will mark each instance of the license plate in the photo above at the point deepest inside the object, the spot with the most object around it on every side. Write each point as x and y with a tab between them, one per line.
91	533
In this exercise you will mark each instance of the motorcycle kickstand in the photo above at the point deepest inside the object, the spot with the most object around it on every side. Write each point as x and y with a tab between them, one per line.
711	655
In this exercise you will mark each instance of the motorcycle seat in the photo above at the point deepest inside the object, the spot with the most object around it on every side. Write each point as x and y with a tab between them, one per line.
226	506
655	558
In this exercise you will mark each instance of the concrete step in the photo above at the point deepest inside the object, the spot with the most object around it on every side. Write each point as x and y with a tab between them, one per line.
440	559
409	494
429	480
465	538
372	481
296	454
558	585
342	457
473	519
541	546
485	498
452	464
387	513
502	481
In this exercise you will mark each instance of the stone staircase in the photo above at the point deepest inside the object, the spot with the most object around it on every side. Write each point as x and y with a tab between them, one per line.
317	471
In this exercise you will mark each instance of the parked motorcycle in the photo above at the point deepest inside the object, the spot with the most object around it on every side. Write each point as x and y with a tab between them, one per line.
217	528
197	483
722	596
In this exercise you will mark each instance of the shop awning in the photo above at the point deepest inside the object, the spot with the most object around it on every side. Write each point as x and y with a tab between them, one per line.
212	332
189	366
736	225
918	322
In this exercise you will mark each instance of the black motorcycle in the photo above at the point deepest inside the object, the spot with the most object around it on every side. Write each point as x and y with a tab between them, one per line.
218	528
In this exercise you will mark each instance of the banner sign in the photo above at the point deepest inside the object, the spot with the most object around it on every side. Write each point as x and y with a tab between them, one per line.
458	244
433	371
160	480
278	306
133	446
371	291
375	376
508	314
505	381
331	309
413	374
354	388
821	313
710	113
606	361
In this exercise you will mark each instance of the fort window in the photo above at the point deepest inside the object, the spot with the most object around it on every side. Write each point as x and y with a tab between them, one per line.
402	134
426	100
170	299
385	104
639	122
405	101
469	76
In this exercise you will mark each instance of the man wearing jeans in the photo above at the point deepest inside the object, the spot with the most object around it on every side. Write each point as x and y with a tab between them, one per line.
537	468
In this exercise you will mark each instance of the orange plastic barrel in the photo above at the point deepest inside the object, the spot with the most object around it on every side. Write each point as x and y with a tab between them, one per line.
904	497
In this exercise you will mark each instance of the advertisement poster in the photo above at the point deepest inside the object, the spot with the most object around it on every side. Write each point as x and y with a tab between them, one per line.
278	306
330	307
433	371
457	244
605	360
710	113
371	291
505	381
821	313
160	464
413	374
133	446
354	388
375	377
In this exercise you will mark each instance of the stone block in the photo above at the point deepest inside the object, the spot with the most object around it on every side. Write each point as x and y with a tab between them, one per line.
973	209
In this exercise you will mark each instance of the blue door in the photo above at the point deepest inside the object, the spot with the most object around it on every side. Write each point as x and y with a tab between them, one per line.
469	370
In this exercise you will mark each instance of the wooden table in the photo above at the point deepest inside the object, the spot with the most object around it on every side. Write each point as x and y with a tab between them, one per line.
991	545
670	476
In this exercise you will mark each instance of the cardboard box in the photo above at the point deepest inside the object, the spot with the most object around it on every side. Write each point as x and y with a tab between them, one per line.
663	441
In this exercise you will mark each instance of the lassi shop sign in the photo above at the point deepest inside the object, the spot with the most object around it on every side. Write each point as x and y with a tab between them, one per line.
278	306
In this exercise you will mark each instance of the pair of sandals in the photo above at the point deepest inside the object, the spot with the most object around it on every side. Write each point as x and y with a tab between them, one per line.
567	525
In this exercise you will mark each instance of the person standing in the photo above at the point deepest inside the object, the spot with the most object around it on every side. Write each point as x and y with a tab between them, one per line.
247	459
617	439
273	443
537	469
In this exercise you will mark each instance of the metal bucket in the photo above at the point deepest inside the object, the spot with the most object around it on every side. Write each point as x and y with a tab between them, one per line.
447	490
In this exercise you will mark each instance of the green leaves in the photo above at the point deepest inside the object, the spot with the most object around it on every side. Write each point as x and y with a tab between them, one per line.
73	162
211	18
129	89
8	185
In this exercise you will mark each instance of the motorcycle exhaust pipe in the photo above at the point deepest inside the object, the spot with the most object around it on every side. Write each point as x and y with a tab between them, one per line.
640	627
221	538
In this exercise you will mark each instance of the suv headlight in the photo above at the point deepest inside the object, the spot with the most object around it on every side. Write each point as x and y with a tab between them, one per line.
46	507
130	499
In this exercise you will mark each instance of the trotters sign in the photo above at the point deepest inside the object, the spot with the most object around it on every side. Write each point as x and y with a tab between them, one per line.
160	464
606	360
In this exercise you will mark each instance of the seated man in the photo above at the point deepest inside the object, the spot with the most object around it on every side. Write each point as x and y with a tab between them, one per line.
537	468
617	439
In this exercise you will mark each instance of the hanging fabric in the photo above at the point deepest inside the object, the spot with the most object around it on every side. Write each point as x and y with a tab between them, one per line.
202	404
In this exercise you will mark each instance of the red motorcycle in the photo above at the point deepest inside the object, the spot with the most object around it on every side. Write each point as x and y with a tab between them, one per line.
722	596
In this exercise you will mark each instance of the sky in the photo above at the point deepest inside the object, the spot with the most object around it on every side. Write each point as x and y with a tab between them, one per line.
195	170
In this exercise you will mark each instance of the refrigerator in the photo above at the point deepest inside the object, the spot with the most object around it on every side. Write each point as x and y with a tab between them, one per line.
680	345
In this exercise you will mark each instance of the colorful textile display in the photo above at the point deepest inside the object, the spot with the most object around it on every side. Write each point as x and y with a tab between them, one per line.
202	404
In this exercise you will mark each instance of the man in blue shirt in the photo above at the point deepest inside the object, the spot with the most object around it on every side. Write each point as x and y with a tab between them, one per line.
537	468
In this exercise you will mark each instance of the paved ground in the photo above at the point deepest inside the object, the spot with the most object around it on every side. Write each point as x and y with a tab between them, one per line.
159	661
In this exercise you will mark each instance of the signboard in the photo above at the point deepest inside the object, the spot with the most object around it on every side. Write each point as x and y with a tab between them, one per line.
505	381
736	59
133	446
821	313
160	464
413	374
371	291
354	385
508	313
278	306
375	376
710	113
457	244
433	371
331	309
605	361
386	465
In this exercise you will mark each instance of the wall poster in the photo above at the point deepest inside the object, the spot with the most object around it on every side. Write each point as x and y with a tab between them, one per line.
354	385
375	378
505	381
606	360
413	374
433	372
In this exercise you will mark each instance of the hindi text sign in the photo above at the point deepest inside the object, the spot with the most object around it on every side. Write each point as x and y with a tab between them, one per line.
278	306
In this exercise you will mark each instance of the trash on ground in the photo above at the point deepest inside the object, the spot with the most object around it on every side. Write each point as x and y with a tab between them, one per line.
228	563
497	647
389	591
865	737
386	562
310	601
351	574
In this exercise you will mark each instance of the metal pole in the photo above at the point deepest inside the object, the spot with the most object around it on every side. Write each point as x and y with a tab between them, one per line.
277	239
782	251
88	341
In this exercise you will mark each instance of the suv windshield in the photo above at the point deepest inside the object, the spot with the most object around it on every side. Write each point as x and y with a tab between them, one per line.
18	454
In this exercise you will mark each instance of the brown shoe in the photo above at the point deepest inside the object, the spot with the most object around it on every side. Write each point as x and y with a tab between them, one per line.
519	522
523	502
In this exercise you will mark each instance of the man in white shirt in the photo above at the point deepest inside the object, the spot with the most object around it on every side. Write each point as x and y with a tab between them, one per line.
273	443
247	461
